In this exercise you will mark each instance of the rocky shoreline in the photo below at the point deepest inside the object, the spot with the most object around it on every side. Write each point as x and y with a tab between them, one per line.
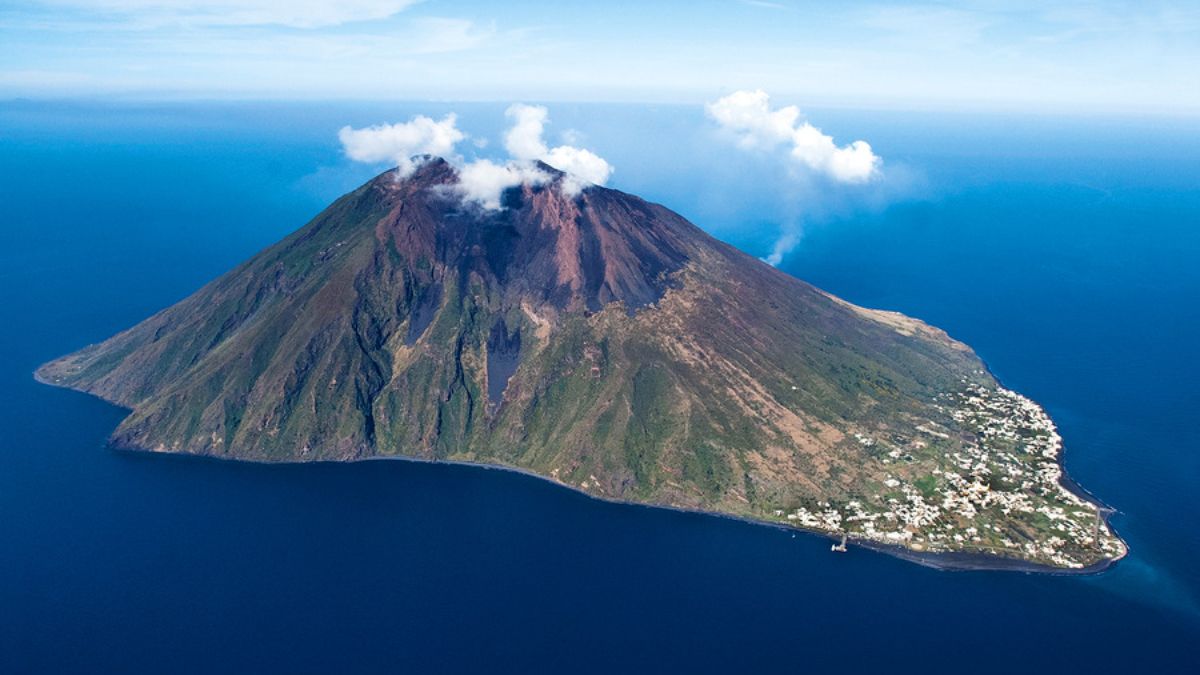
947	560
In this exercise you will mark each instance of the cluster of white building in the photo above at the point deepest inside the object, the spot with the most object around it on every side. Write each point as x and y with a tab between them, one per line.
1011	473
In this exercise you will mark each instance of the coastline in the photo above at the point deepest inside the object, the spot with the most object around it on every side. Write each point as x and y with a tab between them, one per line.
1106	510
946	561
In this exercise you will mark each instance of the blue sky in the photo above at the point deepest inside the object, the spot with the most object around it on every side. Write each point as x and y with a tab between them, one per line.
1075	56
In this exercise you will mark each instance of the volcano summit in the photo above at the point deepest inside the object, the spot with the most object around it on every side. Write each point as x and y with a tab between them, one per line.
605	343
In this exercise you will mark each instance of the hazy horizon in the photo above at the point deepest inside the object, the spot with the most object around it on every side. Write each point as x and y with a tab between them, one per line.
1108	58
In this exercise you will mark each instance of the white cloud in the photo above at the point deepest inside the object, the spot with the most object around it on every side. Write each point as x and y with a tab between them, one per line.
755	126
748	115
583	167
401	141
292	13
524	142
484	181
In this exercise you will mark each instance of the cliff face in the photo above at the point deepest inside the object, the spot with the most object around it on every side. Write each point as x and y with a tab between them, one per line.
592	337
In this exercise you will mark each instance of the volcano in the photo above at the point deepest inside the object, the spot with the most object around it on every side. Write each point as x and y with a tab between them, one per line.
605	343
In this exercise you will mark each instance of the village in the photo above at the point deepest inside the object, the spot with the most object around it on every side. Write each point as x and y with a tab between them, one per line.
1001	493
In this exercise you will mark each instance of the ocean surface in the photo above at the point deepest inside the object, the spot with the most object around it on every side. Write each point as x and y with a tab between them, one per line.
1066	251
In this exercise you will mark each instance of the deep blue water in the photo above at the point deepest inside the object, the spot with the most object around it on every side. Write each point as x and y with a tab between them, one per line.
1065	251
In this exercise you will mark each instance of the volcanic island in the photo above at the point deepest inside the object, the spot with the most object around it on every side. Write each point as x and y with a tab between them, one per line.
602	342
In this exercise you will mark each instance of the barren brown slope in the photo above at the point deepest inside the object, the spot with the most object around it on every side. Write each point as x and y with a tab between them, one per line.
593	338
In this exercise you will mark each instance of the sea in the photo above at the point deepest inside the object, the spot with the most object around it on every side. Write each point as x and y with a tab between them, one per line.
1065	248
